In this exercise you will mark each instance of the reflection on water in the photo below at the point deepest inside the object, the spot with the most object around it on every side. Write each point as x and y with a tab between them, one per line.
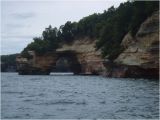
69	96
60	73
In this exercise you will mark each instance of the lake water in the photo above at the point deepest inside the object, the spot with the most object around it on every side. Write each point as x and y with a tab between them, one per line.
68	96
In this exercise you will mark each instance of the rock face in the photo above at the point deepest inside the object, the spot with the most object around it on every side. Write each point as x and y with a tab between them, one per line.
139	59
82	54
90	60
30	67
141	56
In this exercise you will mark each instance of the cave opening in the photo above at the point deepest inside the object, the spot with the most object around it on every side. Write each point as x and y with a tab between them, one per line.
67	62
63	64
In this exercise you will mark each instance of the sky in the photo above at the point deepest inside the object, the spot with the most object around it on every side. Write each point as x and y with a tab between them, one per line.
21	20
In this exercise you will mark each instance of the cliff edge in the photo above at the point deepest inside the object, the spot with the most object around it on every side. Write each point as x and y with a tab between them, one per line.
140	57
141	54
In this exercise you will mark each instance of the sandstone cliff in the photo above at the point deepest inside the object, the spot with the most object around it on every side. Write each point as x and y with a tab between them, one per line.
91	60
83	56
139	59
141	54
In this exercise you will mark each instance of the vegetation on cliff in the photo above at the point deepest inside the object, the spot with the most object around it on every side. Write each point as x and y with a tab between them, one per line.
8	62
108	28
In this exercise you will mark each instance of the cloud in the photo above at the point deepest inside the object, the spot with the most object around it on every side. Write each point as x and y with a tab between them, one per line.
24	19
15	25
18	36
23	15
13	45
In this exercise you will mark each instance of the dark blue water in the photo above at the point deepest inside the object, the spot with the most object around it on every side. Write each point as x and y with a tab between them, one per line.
71	97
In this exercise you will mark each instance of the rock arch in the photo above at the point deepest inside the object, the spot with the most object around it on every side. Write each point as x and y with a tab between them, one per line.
44	64
82	54
75	65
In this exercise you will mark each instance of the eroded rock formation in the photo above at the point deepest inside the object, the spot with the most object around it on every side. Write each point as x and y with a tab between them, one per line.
90	60
84	59
139	59
141	55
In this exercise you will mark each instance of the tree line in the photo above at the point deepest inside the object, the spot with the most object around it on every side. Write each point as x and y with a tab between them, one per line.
8	62
108	28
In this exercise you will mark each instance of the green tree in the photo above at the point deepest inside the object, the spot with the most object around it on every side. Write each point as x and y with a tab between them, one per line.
67	32
50	35
108	28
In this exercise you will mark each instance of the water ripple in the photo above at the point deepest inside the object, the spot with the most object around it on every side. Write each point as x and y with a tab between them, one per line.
93	97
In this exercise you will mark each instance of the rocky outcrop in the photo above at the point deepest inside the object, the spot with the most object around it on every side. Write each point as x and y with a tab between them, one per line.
30	67
141	55
82	53
89	58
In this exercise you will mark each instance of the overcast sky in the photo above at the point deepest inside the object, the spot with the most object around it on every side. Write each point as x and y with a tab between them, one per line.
21	20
